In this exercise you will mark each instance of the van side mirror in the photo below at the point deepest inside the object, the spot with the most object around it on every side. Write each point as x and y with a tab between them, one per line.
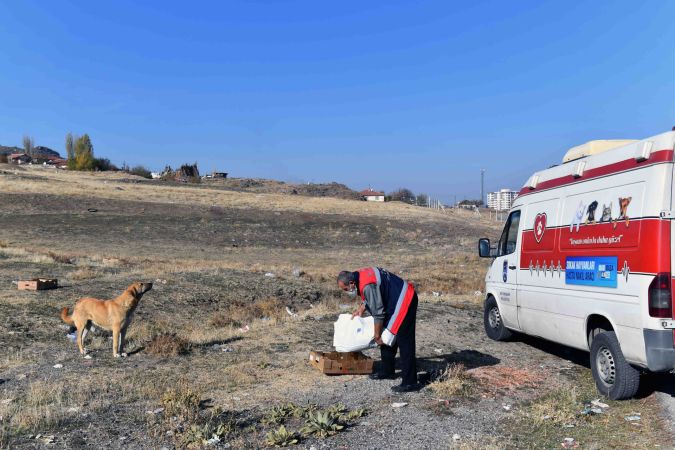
484	250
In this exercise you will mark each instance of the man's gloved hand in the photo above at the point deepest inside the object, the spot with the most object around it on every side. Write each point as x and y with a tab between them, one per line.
359	312
378	333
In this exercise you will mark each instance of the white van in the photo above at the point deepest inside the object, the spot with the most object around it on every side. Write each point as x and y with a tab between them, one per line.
585	260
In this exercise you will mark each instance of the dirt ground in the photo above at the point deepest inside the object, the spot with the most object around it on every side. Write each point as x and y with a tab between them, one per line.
215	358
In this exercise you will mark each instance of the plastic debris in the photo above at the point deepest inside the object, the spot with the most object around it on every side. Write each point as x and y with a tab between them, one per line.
569	443
290	312
45	439
58	366
456	437
599	404
633	417
297	273
72	337
478	293
435	294
155	411
506	407
245	329
87	356
399	405
227	350
438	350
270	275
589	411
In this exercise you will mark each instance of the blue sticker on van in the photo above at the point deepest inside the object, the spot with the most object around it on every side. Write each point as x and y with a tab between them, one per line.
597	271
505	272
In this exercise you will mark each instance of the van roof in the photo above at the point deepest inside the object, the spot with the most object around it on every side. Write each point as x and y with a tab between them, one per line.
595	147
602	160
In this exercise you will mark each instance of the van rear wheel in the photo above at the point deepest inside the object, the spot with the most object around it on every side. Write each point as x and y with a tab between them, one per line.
492	319
614	377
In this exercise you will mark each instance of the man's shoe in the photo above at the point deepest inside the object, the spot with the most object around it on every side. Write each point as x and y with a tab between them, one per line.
401	388
382	376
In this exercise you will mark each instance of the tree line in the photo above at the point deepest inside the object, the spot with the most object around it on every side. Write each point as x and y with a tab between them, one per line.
407	196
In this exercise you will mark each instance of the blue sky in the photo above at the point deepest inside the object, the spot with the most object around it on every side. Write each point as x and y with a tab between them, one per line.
386	94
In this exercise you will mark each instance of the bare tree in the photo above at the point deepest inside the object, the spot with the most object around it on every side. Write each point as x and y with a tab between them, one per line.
70	146
28	145
403	195
422	199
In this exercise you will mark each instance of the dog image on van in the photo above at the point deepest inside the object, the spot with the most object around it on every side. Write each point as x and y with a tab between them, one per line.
591	212
113	315
623	210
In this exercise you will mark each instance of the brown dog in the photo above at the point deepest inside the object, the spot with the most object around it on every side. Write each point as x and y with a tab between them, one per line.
114	315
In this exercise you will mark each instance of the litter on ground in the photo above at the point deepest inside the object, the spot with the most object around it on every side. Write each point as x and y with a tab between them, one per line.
569	443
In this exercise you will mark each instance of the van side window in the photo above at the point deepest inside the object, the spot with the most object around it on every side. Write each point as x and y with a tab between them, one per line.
507	243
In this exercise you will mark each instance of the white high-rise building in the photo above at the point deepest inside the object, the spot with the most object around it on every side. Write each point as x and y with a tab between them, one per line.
501	200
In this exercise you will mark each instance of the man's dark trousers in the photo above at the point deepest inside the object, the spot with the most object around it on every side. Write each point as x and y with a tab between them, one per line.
405	341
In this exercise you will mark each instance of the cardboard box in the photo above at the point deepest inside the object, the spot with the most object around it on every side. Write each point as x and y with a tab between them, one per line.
38	284
336	363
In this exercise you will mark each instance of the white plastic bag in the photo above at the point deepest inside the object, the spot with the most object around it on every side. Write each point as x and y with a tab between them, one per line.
353	335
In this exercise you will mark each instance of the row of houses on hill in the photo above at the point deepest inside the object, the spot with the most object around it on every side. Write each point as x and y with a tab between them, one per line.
47	160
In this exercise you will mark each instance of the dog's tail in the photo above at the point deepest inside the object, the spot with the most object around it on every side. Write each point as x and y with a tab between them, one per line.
65	317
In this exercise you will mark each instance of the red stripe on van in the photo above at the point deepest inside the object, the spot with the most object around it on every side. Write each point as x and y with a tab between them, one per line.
657	157
644	245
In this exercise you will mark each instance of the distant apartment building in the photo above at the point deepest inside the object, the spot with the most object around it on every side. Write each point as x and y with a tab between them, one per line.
501	200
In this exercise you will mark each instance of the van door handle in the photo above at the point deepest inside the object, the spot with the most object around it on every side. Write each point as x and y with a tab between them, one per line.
512	267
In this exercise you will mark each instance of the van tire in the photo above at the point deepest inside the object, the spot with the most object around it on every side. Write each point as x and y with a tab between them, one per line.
613	376
494	324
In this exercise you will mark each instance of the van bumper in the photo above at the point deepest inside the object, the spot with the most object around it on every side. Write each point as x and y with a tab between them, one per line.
659	349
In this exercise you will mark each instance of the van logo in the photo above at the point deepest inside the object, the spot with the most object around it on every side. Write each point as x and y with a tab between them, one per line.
539	226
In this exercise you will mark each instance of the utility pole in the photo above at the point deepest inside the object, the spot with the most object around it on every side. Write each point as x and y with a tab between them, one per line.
482	186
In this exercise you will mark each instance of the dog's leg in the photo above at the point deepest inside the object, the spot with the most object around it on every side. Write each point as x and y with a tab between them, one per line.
116	340
80	331
120	347
85	331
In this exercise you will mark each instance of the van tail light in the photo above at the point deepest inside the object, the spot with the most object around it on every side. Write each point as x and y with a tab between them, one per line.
660	296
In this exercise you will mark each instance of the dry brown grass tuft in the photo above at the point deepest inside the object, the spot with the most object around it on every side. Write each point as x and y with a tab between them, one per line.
60	258
83	273
168	344
239	314
560	407
182	401
504	380
454	381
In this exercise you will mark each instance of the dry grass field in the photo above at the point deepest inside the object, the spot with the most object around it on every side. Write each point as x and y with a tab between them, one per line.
215	360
